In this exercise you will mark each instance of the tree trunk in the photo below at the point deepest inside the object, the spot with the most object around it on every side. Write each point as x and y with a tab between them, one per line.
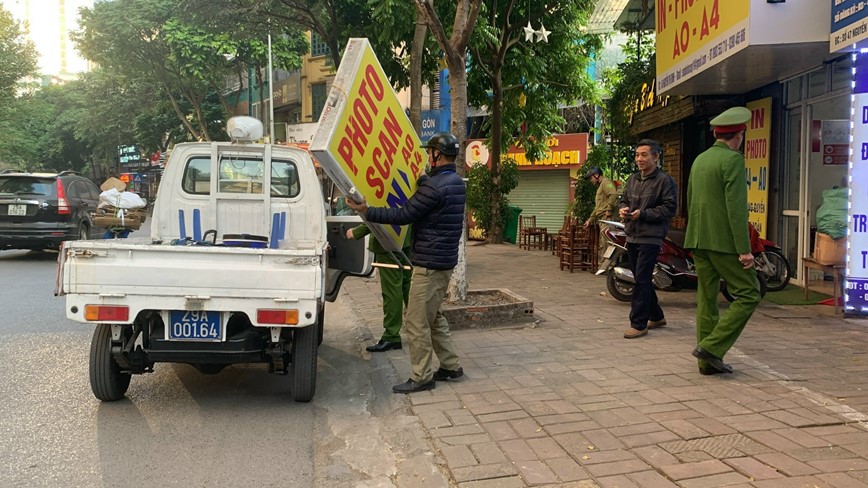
416	51
495	233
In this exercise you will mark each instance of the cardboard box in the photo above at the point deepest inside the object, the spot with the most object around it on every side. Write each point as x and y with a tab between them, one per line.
830	251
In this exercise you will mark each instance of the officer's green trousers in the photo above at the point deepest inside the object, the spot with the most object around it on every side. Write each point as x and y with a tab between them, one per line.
715	333
395	286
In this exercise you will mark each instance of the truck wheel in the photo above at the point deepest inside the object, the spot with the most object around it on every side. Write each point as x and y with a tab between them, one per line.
304	347
106	379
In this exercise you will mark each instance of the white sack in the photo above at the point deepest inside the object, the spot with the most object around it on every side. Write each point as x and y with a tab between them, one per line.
114	198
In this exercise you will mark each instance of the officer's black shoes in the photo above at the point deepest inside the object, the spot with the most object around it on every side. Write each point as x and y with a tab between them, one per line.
383	346
412	386
448	374
713	361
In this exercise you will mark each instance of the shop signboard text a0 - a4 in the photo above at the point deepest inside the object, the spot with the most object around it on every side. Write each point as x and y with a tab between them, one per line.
365	142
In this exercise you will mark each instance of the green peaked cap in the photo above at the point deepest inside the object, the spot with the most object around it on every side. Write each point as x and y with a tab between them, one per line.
733	116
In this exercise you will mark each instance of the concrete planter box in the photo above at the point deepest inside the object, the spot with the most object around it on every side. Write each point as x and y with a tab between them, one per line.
488	308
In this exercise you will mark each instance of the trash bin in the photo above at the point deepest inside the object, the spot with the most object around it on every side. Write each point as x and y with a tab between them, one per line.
510	231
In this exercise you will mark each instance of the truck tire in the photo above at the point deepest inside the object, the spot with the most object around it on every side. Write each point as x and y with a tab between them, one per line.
304	348
320	325
107	381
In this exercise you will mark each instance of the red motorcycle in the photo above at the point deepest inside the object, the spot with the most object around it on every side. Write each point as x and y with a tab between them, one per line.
673	271
770	260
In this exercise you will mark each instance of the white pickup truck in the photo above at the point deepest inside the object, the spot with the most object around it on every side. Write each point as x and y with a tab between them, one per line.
240	262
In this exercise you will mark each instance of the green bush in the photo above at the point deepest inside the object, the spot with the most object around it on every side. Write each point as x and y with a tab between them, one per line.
482	189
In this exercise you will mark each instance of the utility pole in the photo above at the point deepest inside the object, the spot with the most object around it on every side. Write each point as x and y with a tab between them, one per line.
270	90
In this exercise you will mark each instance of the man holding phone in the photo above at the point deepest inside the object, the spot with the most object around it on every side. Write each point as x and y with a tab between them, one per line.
648	204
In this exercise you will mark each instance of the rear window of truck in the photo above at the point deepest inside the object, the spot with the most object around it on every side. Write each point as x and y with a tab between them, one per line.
241	175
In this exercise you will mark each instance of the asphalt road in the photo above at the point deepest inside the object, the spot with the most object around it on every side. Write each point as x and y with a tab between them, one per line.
178	427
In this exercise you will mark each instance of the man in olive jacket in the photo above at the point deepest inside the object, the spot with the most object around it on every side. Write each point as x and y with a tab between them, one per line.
717	233
605	204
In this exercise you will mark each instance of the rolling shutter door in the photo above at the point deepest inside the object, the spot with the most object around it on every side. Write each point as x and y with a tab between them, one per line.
545	194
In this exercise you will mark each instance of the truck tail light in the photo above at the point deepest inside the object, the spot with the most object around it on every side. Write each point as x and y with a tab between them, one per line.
270	316
62	202
106	313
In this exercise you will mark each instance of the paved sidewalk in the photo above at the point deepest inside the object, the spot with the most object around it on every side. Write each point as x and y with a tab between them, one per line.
569	402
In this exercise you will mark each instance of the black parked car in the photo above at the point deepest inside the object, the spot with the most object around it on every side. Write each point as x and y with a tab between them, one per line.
39	210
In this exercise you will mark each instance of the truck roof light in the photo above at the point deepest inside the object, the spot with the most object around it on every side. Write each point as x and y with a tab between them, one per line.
242	128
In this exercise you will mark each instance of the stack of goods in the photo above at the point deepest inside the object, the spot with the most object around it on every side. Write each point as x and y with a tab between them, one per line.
120	209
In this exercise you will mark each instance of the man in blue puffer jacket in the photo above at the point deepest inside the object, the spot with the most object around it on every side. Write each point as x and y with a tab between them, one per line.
436	211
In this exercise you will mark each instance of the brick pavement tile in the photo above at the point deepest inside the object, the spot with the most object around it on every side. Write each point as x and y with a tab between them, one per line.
506	482
458	456
656	397
587	483
643	428
753	469
712	426
606	418
494	408
816	416
649	438
567	427
617	467
790	418
794	482
715	481
836	465
677	414
528	380
546	448
508	415
688	393
772	440
526	395
563	407
460	416
500	431
655	456
536	473
466	387
695	470
847	439
802	437
488	453
631	415
574	443
434	420
762	406
651	479
785	464
619	481
561	418
517	450
435	407
465	439
567	469
747	423
588	406
588	388
821	453
432	397
457	431
600	457
830	430
528	428
841	480
694	456
483	472
706	408
860	449
635	399
731	407
603	440
506	383
684	429
537	408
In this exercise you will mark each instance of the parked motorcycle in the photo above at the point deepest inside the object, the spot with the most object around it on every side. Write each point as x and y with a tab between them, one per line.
673	271
770	260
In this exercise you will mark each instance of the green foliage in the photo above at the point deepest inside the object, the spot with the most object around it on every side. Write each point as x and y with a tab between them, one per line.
18	55
625	83
483	189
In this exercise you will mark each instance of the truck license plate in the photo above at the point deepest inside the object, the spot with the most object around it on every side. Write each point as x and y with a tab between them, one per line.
195	325
17	210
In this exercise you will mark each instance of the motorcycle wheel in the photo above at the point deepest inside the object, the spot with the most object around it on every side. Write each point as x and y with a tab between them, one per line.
763	286
621	291
781	277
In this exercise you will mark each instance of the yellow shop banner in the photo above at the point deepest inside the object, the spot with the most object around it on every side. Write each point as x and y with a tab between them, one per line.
757	141
693	35
365	141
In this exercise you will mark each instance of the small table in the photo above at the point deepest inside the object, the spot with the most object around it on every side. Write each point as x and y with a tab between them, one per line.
836	270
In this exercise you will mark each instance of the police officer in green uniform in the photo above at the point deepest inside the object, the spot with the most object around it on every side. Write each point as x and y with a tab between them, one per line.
717	233
394	285
605	204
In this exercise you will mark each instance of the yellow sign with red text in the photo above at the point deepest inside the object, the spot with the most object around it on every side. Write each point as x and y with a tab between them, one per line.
757	141
365	141
693	35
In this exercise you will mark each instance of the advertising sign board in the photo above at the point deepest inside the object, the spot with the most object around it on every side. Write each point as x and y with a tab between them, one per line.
757	141
856	293
365	142
849	23
694	35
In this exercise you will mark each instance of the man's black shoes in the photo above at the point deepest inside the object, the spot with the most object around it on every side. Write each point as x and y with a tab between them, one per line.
413	386
383	346
714	362
448	374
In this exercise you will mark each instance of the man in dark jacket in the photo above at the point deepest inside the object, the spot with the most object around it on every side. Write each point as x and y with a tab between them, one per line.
436	211
648	203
